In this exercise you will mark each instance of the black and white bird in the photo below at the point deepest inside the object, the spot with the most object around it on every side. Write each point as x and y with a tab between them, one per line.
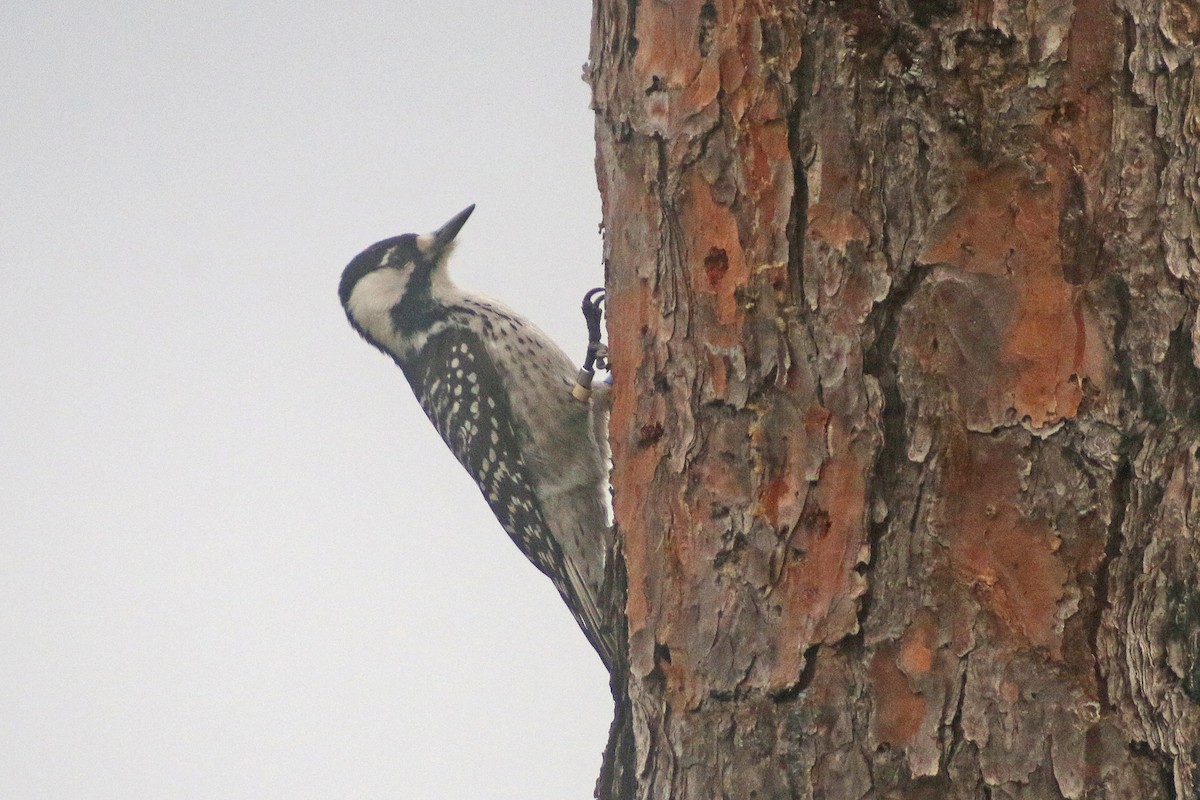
499	391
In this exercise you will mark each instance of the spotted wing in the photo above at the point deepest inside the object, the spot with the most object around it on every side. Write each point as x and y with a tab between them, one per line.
460	389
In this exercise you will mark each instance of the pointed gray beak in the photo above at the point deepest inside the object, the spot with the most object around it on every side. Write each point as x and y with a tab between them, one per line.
445	234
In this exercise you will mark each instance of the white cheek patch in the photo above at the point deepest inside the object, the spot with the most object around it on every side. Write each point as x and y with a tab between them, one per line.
425	242
372	298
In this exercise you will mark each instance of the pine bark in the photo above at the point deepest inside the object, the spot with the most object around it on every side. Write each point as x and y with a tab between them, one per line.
903	316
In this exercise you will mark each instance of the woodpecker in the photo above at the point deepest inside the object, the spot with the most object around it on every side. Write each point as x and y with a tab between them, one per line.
499	392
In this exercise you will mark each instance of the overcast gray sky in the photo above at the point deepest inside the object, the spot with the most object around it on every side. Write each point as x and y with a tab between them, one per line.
235	559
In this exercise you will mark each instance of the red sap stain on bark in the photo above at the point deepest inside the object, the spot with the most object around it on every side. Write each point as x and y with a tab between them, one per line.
711	232
649	433
716	264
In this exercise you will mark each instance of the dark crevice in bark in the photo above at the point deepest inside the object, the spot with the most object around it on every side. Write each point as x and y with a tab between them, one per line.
804	680
631	46
708	21
879	363
1122	491
1130	41
810	668
926	12
618	777
955	726
1080	243
697	151
802	83
803	79
617	780
1143	393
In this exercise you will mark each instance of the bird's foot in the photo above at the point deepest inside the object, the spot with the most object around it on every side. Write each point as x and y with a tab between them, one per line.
597	350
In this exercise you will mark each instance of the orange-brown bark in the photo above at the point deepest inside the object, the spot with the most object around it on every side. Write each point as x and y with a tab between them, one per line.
903	301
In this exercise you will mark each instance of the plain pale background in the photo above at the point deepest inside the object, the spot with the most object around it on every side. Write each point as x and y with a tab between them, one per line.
235	559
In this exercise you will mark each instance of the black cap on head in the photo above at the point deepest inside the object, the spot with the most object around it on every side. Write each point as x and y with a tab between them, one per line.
425	252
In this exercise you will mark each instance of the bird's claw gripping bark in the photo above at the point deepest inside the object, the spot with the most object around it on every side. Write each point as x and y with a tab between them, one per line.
597	351
593	311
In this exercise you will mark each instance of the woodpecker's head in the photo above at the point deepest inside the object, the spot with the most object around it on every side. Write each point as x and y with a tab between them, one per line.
395	281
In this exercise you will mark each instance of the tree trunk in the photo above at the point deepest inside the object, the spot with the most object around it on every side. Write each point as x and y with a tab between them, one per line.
905	432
